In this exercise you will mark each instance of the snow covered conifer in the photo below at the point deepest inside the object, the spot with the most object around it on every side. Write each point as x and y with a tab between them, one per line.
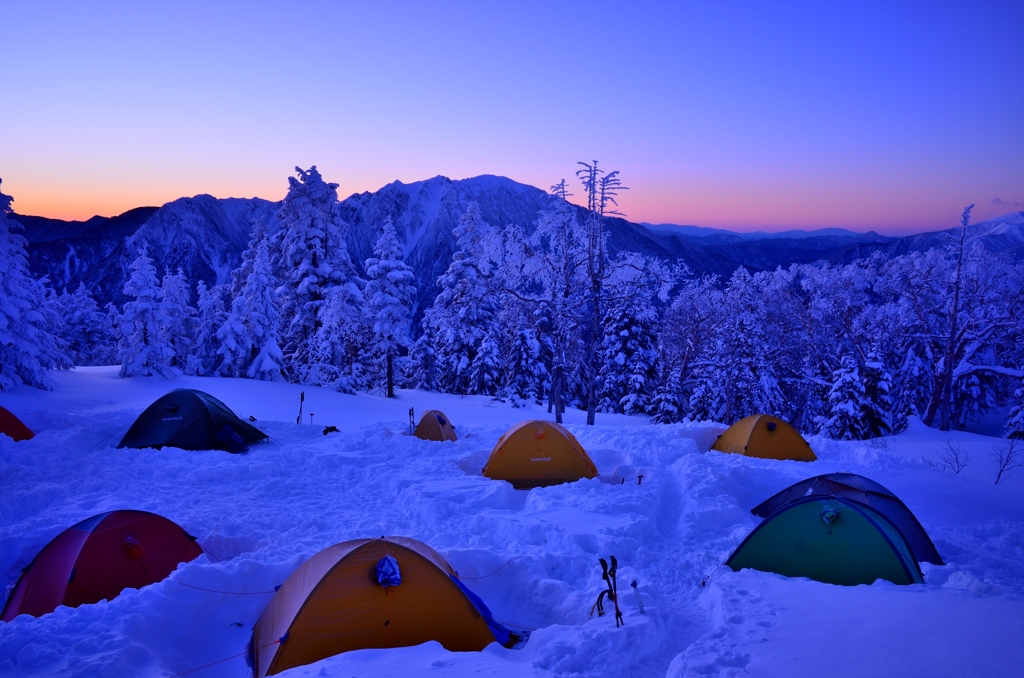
309	232
390	293
708	398
846	403
1015	420
28	349
629	356
86	329
424	363
523	369
261	317
464	308
912	390
211	316
240	275
234	345
178	317
143	344
546	348
343	338
485	371
876	418
667	405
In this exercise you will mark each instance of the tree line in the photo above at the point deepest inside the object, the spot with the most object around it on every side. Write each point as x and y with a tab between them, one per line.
545	314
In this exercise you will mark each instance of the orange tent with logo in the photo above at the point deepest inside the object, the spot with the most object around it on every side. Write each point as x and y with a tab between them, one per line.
537	454
764	436
11	426
434	425
369	593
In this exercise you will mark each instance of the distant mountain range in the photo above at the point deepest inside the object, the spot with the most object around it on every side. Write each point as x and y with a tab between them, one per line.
205	236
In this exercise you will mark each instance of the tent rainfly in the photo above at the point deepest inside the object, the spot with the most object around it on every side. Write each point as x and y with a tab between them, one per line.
98	558
865	491
537	454
191	420
765	436
434	425
829	539
11	426
370	593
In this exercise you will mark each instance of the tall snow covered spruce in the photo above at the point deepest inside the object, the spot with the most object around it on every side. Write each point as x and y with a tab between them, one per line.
260	314
1015	421
144	346
464	309
629	357
846	403
28	347
320	296
86	330
178	317
390	293
210	317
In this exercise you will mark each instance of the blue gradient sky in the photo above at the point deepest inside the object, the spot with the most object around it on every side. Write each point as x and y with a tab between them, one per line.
888	116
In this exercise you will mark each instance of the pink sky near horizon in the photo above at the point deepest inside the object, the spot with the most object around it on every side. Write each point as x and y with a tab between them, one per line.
867	117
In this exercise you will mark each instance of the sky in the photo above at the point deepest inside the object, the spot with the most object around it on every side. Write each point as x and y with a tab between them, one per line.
887	116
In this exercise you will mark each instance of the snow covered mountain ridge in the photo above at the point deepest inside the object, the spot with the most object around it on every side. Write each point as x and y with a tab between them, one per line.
205	236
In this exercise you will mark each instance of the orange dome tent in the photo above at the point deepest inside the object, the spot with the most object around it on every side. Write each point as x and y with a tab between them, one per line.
764	436
434	425
97	559
11	426
369	593
537	454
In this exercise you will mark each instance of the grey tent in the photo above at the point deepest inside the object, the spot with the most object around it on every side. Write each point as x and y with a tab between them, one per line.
191	420
865	491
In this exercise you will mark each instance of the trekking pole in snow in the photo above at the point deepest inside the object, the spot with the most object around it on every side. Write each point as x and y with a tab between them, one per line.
614	585
636	592
302	399
412	418
311	418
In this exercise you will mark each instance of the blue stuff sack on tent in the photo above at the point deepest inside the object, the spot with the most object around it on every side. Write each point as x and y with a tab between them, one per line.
388	573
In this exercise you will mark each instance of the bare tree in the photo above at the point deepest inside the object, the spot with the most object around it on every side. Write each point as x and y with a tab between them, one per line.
954	316
954	457
1006	458
601	190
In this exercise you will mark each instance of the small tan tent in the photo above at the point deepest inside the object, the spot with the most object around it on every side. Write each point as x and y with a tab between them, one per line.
434	425
339	600
537	454
764	436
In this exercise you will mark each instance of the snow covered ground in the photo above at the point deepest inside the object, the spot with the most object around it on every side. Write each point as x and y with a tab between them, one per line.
260	515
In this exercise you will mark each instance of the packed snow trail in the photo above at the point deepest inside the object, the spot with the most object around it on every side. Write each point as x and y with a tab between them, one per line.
532	556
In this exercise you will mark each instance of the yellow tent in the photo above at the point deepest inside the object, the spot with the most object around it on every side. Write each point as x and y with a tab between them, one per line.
434	425
537	454
336	602
765	436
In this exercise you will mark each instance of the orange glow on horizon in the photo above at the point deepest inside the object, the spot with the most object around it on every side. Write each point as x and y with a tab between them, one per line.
768	210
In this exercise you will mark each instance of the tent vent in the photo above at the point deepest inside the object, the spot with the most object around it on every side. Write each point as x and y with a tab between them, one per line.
829	514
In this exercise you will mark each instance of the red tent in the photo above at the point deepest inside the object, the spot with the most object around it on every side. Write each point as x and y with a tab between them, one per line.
11	426
97	559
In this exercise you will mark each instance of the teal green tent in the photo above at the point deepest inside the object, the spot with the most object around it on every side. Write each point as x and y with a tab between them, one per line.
830	539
